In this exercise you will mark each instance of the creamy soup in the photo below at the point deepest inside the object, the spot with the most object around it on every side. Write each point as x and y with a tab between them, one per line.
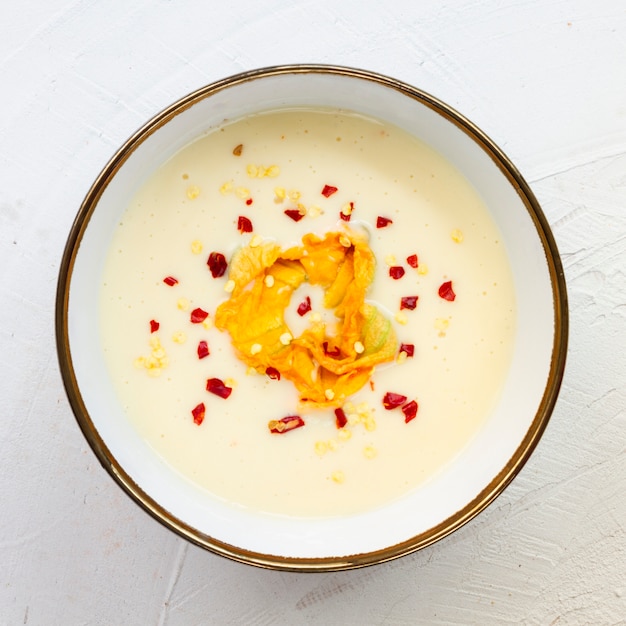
441	283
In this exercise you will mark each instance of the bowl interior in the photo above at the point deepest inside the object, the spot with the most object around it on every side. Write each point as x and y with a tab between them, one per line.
449	499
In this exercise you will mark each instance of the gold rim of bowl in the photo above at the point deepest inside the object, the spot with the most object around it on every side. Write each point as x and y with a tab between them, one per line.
452	523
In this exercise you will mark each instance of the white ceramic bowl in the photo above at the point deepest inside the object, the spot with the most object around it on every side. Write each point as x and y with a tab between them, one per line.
443	504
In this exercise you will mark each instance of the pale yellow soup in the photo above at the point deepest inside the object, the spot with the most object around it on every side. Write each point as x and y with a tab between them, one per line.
190	208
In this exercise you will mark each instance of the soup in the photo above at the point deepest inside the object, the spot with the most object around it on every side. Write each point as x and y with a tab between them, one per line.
207	398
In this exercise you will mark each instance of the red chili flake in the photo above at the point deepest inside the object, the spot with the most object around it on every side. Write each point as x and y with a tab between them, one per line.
170	281
446	292
335	352
329	190
340	417
344	217
410	411
154	326
244	225
217	386
285	424
203	349
217	264
272	373
249	201
396	272
304	307
198	413
198	316
294	214
393	400
382	222
412	260
408	302
407	348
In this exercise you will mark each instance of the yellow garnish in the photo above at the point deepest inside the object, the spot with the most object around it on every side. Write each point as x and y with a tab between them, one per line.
193	191
261	171
457	235
321	447
401	318
441	324
353	419
344	434
338	477
157	360
346	209
226	188
369	452
370	424
179	337
325	369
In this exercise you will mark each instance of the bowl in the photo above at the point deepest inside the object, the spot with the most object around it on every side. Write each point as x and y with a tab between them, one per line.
474	475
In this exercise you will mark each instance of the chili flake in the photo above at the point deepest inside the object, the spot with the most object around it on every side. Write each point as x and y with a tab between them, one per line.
383	222
396	272
154	326
285	424
393	400
446	292
346	212
217	264
335	352
412	260
244	225
203	349
272	373
198	413
198	316
217	387
329	190
170	281
304	307
407	348
294	214
410	411
408	302
340	417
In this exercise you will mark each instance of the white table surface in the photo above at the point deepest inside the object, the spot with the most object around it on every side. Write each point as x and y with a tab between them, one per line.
546	79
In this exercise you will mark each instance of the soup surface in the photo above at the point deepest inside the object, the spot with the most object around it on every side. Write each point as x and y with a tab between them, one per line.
441	293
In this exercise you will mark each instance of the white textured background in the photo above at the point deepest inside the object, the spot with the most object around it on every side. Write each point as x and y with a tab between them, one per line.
546	79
